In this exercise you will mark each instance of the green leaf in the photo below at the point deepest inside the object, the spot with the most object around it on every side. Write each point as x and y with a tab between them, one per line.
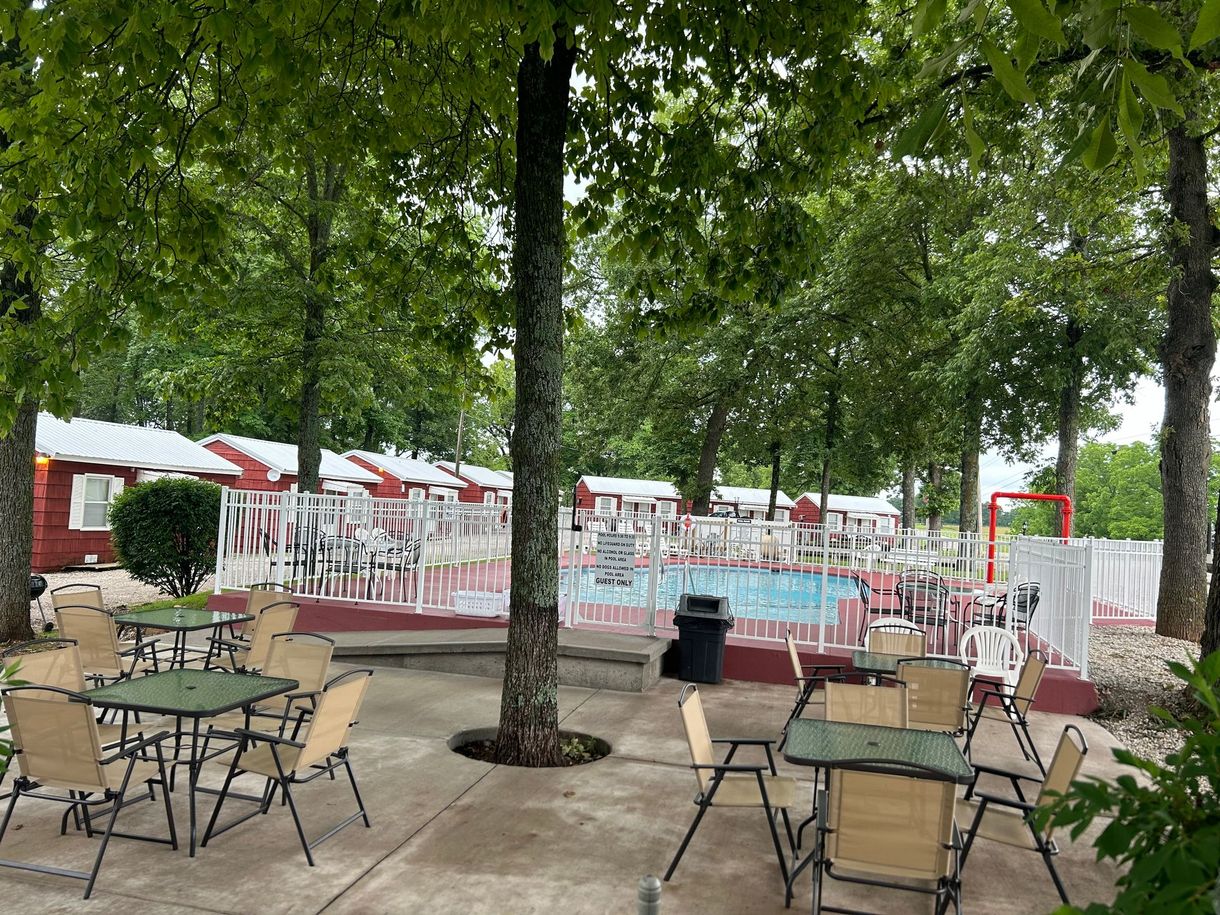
1130	123
973	140
1034	17
1012	81
911	142
927	14
1101	148
1154	28
1207	28
1152	86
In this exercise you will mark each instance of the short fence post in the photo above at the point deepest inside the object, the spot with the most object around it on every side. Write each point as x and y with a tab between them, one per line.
420	561
648	896
222	536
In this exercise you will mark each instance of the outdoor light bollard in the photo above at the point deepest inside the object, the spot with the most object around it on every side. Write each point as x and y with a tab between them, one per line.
649	896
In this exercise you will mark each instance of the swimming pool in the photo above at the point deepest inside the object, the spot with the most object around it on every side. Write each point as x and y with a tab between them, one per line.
786	595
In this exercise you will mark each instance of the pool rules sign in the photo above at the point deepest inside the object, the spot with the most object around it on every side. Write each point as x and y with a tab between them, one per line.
615	560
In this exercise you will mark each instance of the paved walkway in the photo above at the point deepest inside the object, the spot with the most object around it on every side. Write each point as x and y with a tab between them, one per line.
455	835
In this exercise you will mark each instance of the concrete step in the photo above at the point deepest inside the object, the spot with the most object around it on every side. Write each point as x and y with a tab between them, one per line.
597	660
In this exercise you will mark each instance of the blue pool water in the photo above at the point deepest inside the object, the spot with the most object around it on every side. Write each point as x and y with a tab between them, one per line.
785	595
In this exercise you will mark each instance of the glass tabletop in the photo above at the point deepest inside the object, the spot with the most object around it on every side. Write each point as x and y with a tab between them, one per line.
183	619
189	693
875	662
837	744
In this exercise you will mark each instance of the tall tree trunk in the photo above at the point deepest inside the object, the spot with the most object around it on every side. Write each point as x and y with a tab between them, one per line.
529	704
717	422
934	518
968	492
909	474
775	462
1069	414
828	444
19	302
1188	351
309	441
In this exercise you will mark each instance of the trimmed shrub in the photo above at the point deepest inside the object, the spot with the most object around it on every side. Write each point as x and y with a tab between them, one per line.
164	533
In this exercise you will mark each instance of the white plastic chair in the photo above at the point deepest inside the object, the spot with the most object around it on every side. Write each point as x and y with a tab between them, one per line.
992	652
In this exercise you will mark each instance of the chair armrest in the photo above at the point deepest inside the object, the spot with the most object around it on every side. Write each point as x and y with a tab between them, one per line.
227	643
132	749
139	646
979	768
722	767
304	694
261	737
746	741
1006	801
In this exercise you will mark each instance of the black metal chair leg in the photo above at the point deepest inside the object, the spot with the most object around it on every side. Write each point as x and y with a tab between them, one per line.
356	791
1050	866
296	819
673	865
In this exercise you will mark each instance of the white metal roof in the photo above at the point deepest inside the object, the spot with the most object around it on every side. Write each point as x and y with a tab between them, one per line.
750	496
481	476
283	458
624	486
871	505
91	441
409	470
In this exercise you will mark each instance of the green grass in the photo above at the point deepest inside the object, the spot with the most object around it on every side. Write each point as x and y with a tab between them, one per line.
195	601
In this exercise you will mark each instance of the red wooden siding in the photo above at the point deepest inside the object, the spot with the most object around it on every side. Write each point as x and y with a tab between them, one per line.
54	545
253	472
390	486
806	511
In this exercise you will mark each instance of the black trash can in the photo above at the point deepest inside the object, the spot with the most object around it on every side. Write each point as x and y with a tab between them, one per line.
703	620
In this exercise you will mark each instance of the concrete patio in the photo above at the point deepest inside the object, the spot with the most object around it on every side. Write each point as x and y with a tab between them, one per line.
454	835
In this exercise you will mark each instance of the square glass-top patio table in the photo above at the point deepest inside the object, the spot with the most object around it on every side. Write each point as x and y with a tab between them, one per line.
180	621
845	745
194	694
876	662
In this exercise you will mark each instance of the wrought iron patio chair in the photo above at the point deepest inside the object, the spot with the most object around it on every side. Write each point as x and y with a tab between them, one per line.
938	694
923	598
992	610
870	602
285	761
896	636
992	652
888	824
1012	707
345	558
102	655
57	749
226	654
1011	821
806	677
732	784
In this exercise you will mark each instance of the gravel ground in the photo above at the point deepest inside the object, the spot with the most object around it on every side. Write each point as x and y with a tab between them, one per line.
1128	665
118	590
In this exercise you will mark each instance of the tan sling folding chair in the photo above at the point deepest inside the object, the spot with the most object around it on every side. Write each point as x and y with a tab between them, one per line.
1010	820
806	677
57	749
102	655
732	784
896	637
938	697
77	594
890	824
1012	707
226	654
283	761
56	662
260	595
861	704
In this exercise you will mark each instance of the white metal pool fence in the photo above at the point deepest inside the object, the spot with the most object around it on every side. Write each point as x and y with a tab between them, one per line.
824	585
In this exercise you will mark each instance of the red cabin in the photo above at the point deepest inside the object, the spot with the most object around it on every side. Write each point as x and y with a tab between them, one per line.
81	465
272	466
407	478
481	485
614	495
852	514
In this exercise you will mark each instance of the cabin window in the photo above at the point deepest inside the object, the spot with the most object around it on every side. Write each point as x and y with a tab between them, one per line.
417	494
666	509
91	498
489	498
834	521
605	505
781	514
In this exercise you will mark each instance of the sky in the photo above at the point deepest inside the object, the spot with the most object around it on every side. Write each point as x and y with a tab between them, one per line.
1139	420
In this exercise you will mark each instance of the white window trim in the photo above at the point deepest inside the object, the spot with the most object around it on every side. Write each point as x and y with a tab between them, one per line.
781	514
605	505
667	509
76	509
489	497
834	521
416	494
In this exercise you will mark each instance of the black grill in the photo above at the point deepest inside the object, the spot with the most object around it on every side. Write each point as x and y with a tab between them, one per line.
38	586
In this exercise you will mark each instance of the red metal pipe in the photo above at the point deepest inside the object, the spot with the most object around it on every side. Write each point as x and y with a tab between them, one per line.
1065	531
